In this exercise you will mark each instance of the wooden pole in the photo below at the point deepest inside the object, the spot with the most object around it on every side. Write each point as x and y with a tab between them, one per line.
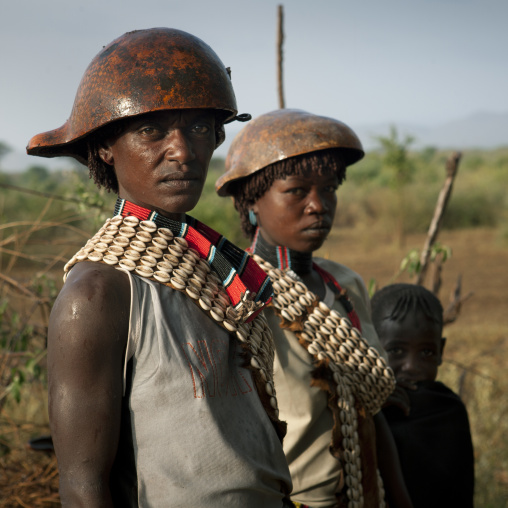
452	165
280	43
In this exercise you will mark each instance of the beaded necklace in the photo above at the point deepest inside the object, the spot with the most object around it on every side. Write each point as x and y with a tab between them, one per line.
185	263
354	375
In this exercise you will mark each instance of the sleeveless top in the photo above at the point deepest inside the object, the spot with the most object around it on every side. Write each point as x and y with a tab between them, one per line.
194	432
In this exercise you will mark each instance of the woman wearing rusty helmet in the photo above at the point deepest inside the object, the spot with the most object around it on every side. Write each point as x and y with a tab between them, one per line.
160	365
283	170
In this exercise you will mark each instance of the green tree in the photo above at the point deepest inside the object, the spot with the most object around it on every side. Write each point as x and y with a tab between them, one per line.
397	162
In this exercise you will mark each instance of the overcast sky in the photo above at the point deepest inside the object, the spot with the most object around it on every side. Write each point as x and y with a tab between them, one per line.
422	62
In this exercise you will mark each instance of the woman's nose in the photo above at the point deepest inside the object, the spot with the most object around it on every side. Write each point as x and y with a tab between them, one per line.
178	147
316	203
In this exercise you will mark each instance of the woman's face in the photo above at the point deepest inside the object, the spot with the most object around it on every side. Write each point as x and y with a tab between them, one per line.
161	159
298	211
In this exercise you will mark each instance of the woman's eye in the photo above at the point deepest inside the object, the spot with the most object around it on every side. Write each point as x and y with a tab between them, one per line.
298	191
201	128
148	130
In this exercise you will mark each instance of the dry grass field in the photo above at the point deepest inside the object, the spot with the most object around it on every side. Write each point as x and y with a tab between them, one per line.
476	361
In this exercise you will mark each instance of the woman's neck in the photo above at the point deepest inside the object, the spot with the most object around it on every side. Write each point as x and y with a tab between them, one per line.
282	257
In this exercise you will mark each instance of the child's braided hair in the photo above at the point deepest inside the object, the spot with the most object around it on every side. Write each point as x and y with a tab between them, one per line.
395	301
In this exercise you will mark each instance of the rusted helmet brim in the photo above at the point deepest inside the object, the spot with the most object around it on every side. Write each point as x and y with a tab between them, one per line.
282	134
141	72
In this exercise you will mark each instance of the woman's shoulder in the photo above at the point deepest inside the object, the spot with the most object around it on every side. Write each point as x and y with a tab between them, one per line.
94	286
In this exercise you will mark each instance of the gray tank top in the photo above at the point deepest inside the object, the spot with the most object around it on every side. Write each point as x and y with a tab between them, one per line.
194	432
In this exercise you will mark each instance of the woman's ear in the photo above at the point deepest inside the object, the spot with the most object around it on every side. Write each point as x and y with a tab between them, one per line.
106	154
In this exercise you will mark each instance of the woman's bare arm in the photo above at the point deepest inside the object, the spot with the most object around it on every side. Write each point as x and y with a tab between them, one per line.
86	342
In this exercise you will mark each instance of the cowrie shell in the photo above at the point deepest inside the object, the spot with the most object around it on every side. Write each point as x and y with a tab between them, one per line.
181	242
148	226
195	284
205	303
242	336
175	250
127	231
286	315
110	259
138	245
144	271
161	276
101	247
295	310
189	258
204	266
344	321
217	311
177	282
206	292
116	250
178	272
144	237
95	256
107	239
121	241
231	313
165	233
187	268
116	220
355	333
134	255
284	283
193	292
159	242
155	252
148	261
131	221
229	325
172	260
254	362
198	278
164	266
127	264
194	253
82	255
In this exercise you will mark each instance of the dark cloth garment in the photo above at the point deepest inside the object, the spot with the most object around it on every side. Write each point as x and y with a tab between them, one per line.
435	447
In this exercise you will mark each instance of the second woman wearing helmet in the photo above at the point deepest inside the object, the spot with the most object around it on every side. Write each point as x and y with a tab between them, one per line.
283	171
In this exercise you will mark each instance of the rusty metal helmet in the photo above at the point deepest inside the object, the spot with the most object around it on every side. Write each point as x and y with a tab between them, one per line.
282	134
140	72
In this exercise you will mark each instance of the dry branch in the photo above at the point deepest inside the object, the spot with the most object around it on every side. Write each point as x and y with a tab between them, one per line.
280	43
452	166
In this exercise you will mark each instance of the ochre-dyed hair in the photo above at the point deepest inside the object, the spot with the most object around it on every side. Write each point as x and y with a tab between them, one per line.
246	191
103	174
395	301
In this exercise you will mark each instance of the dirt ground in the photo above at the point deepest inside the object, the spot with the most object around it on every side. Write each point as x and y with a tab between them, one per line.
478	255
477	342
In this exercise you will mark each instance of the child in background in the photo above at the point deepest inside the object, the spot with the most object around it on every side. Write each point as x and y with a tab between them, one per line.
428	420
